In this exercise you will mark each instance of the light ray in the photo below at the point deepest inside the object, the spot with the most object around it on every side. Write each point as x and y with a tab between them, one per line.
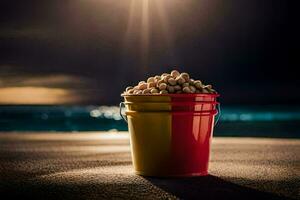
145	35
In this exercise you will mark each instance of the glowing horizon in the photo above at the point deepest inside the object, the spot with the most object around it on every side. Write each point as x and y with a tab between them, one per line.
37	95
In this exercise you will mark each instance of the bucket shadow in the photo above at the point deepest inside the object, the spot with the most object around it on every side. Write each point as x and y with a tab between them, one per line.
208	187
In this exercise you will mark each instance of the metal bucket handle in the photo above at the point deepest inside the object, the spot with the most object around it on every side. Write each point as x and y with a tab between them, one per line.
122	106
217	117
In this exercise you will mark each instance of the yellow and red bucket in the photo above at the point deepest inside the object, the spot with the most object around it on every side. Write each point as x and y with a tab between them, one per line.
170	134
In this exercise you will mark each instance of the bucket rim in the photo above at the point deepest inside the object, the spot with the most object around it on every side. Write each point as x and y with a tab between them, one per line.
175	103
173	95
198	113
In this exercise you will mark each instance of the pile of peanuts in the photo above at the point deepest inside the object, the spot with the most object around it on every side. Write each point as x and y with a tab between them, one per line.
174	82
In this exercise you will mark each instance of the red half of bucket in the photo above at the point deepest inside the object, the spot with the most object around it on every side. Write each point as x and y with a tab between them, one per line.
190	142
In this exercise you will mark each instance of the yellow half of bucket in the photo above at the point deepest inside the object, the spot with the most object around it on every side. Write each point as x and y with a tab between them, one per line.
150	136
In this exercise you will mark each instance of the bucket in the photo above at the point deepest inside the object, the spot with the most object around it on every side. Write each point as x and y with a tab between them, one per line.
170	134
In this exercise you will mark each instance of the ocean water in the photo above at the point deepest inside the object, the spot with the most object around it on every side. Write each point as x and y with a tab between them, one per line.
247	121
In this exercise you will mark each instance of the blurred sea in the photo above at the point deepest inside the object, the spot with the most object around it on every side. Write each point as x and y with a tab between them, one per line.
248	121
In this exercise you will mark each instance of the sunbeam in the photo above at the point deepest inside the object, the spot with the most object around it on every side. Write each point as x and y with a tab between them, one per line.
145	34
146	17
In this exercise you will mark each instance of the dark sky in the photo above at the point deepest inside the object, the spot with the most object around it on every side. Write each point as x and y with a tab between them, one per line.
95	48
